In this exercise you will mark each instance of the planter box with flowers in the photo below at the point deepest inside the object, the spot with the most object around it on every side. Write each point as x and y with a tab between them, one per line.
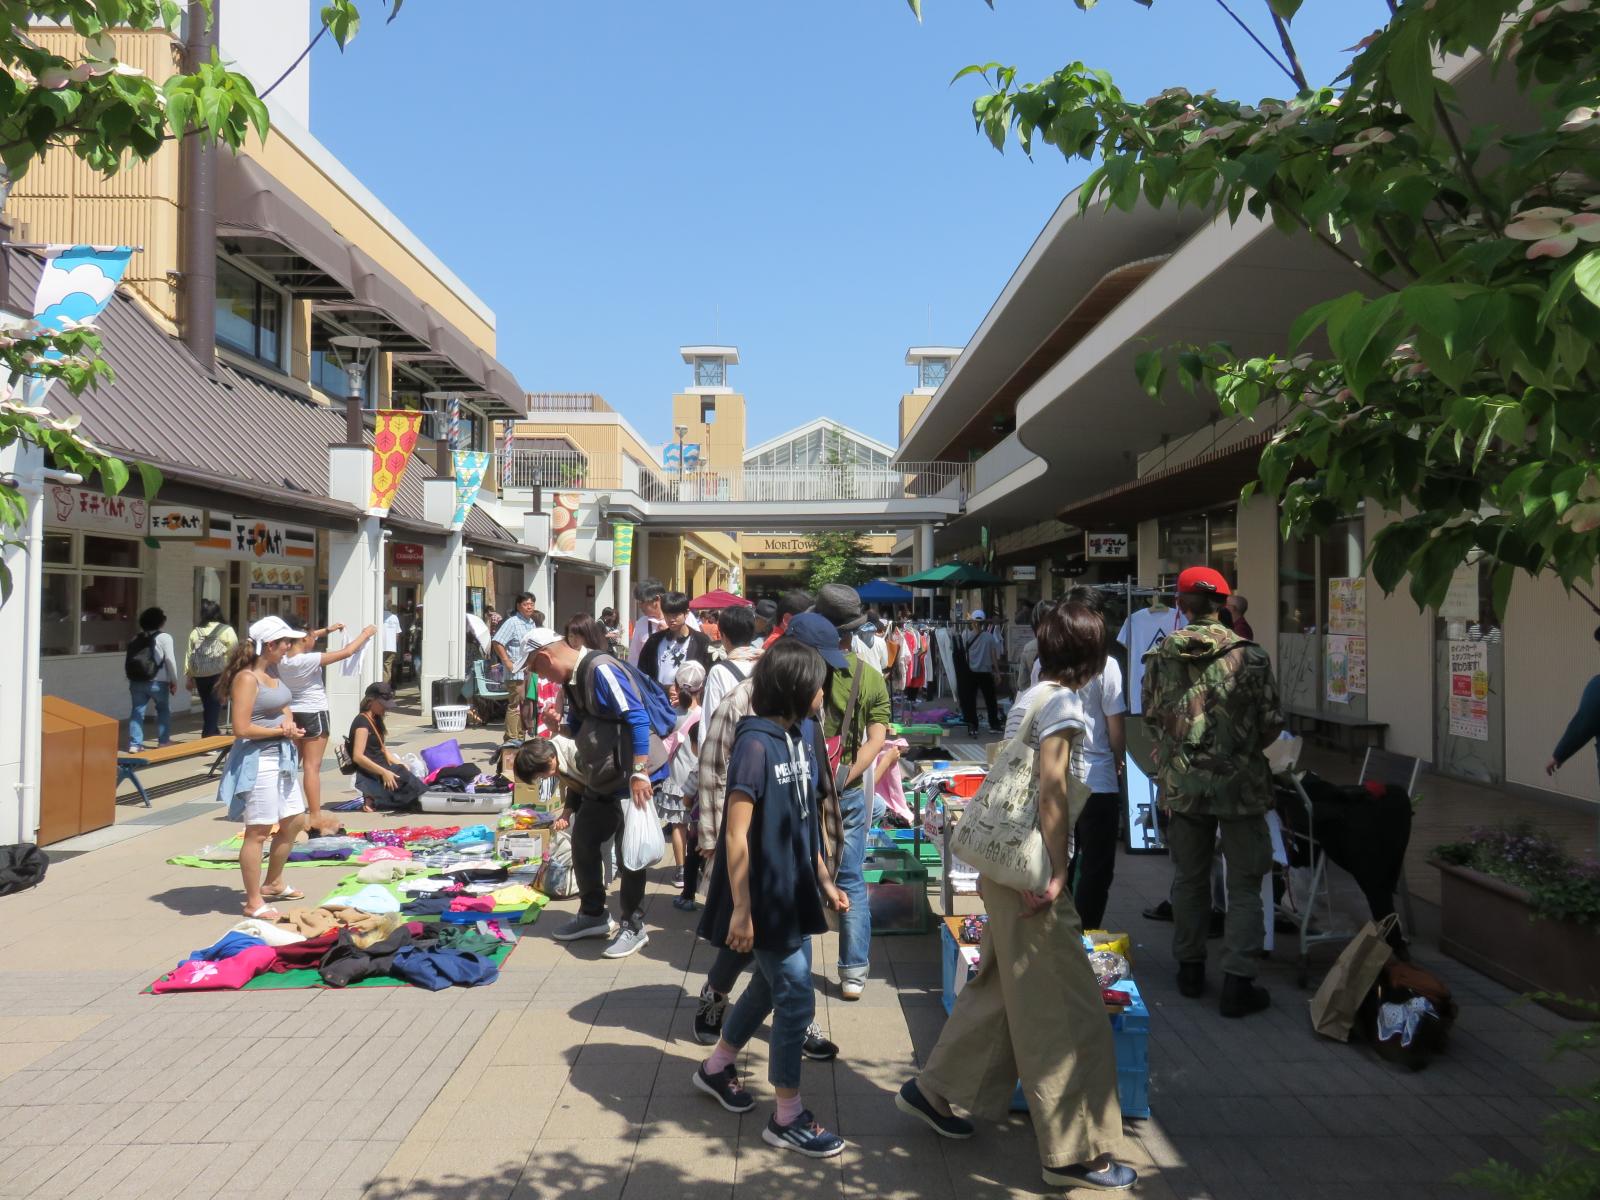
1517	907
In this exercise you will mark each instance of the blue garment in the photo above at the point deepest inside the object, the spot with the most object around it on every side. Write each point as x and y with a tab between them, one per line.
140	694
855	926
471	833
1584	726
779	772
442	968
239	772
226	946
781	985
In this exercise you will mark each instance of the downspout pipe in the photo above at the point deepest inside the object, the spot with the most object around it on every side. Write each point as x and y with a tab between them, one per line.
198	202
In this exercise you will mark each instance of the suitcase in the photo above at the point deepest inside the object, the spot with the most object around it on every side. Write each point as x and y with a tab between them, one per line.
465	804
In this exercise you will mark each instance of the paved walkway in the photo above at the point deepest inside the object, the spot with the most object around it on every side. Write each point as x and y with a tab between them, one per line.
570	1076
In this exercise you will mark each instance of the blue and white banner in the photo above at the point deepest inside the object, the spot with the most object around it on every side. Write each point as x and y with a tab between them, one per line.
74	288
470	467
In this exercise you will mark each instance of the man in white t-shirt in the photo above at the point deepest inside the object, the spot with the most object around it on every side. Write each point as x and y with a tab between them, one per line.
391	643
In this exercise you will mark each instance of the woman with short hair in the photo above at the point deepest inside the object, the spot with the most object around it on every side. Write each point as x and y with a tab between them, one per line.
385	783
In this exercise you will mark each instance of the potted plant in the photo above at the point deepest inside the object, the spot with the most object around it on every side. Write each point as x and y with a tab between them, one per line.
1519	908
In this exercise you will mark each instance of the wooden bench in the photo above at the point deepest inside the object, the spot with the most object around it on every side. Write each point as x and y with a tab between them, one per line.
129	765
1335	729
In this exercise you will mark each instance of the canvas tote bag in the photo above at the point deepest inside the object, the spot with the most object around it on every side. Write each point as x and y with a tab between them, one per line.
1338	1000
998	835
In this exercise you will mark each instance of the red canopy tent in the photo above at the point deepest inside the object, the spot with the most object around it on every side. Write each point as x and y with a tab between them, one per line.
718	599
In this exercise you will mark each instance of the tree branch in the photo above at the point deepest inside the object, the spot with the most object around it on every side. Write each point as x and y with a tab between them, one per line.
1251	34
1467	172
1401	259
1298	72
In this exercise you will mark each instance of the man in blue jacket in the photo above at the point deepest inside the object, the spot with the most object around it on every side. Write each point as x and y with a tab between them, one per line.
620	763
1583	728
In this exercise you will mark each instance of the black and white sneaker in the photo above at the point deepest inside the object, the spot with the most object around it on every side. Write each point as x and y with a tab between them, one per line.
724	1089
708	1018
804	1136
910	1100
816	1047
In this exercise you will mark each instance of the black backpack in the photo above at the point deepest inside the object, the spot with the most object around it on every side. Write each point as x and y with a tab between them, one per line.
21	867
141	663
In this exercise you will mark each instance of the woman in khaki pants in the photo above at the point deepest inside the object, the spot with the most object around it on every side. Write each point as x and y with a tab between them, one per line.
1034	1011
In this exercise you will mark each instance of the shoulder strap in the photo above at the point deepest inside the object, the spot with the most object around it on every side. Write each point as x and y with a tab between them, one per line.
847	725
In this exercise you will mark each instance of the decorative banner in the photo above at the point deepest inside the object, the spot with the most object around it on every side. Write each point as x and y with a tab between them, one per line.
75	286
621	544
564	522
691	456
393	439
671	459
471	466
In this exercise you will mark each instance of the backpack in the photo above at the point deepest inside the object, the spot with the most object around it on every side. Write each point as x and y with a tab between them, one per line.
663	717
141	662
21	867
210	655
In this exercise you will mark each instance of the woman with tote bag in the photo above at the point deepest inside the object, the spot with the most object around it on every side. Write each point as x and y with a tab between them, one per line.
1034	1010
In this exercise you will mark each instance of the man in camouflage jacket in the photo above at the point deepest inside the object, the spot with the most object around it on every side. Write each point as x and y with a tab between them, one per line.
1212	708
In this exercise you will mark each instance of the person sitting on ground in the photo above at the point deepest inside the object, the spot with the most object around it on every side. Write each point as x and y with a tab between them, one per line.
385	783
768	889
261	781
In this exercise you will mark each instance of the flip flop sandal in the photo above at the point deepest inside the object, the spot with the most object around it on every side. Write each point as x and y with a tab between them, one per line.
286	894
265	913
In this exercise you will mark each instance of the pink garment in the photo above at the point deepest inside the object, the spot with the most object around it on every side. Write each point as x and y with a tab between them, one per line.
472	904
227	974
890	785
384	854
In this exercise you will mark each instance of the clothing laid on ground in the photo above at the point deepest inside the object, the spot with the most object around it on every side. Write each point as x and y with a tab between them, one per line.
1033	1012
1142	632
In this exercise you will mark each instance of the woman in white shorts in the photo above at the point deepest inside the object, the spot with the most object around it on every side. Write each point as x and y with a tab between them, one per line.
301	669
261	781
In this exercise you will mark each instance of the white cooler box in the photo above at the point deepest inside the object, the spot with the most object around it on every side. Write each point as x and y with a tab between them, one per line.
465	804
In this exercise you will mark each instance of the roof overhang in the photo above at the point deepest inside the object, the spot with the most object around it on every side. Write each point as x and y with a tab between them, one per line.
729	353
264	222
1201	482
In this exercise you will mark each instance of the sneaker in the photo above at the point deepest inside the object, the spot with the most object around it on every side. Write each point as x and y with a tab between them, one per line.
1241	996
1115	1178
708	1019
910	1100
631	940
677	880
804	1136
587	927
684	904
1159	912
851	989
816	1047
724	1089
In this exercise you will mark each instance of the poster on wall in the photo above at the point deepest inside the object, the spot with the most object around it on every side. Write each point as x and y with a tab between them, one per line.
1469	689
1336	651
564	522
1461	601
1355	657
1347	605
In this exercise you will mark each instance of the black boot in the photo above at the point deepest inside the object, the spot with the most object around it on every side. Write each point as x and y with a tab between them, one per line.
1192	979
1241	996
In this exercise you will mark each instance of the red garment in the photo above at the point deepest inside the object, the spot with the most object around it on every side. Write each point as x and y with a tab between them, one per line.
307	953
224	975
472	904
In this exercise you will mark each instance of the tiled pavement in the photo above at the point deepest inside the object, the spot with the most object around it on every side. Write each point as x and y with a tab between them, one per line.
570	1076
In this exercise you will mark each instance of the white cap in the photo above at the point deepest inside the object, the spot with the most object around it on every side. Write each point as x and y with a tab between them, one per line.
272	629
977	615
540	637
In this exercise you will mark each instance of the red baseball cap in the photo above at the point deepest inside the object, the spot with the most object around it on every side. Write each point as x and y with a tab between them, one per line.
1203	581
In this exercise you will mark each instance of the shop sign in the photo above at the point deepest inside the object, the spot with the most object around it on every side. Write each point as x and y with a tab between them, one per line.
1186	542
266	577
407	554
255	538
175	522
1024	574
1106	545
1469	689
94	512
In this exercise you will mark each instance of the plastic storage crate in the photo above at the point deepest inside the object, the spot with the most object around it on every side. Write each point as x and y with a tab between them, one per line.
1130	1033
897	892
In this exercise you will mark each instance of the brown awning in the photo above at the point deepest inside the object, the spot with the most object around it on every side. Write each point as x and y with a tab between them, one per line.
251	203
1213	478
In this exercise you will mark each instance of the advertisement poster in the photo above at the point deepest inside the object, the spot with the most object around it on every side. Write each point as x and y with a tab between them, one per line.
1355	653
1347	605
1337	653
1461	601
1469	689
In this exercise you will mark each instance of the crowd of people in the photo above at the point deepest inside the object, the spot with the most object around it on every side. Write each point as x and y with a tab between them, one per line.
751	732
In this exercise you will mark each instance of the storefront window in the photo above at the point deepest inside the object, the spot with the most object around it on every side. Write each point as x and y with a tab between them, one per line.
249	314
91	593
1322	622
1198	539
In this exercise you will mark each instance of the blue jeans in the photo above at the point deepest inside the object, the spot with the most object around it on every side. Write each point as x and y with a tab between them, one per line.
781	985
855	926
141	694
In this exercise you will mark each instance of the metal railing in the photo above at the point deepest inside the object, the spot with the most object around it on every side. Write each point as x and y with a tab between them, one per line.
553	469
566	402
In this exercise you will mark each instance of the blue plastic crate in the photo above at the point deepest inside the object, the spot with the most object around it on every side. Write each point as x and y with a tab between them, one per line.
1130	1033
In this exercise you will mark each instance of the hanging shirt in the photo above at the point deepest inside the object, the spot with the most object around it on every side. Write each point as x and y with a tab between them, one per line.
1143	631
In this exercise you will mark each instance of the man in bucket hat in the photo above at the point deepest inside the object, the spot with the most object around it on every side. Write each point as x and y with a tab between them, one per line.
1212	708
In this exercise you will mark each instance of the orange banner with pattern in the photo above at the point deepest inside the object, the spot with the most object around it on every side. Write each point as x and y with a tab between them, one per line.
393	439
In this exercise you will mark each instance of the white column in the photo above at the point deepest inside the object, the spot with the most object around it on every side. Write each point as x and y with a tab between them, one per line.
21	687
355	579
538	576
622	594
925	547
444	595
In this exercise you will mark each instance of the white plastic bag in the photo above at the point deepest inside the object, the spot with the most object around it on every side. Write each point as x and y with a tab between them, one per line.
643	843
415	765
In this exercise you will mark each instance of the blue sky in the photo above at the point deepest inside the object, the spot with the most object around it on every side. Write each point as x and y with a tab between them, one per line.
617	178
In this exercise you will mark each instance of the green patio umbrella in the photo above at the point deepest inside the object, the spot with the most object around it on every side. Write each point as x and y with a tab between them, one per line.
952	575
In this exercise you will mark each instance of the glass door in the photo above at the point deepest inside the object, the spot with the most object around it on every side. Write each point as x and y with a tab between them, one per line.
1469	739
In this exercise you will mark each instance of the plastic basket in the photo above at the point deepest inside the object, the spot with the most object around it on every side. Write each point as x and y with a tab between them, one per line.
450	718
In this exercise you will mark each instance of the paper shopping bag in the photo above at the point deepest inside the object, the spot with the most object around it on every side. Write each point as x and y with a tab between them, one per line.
1334	1007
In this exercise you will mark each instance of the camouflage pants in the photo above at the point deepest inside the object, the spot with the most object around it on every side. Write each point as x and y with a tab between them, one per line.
1247	848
